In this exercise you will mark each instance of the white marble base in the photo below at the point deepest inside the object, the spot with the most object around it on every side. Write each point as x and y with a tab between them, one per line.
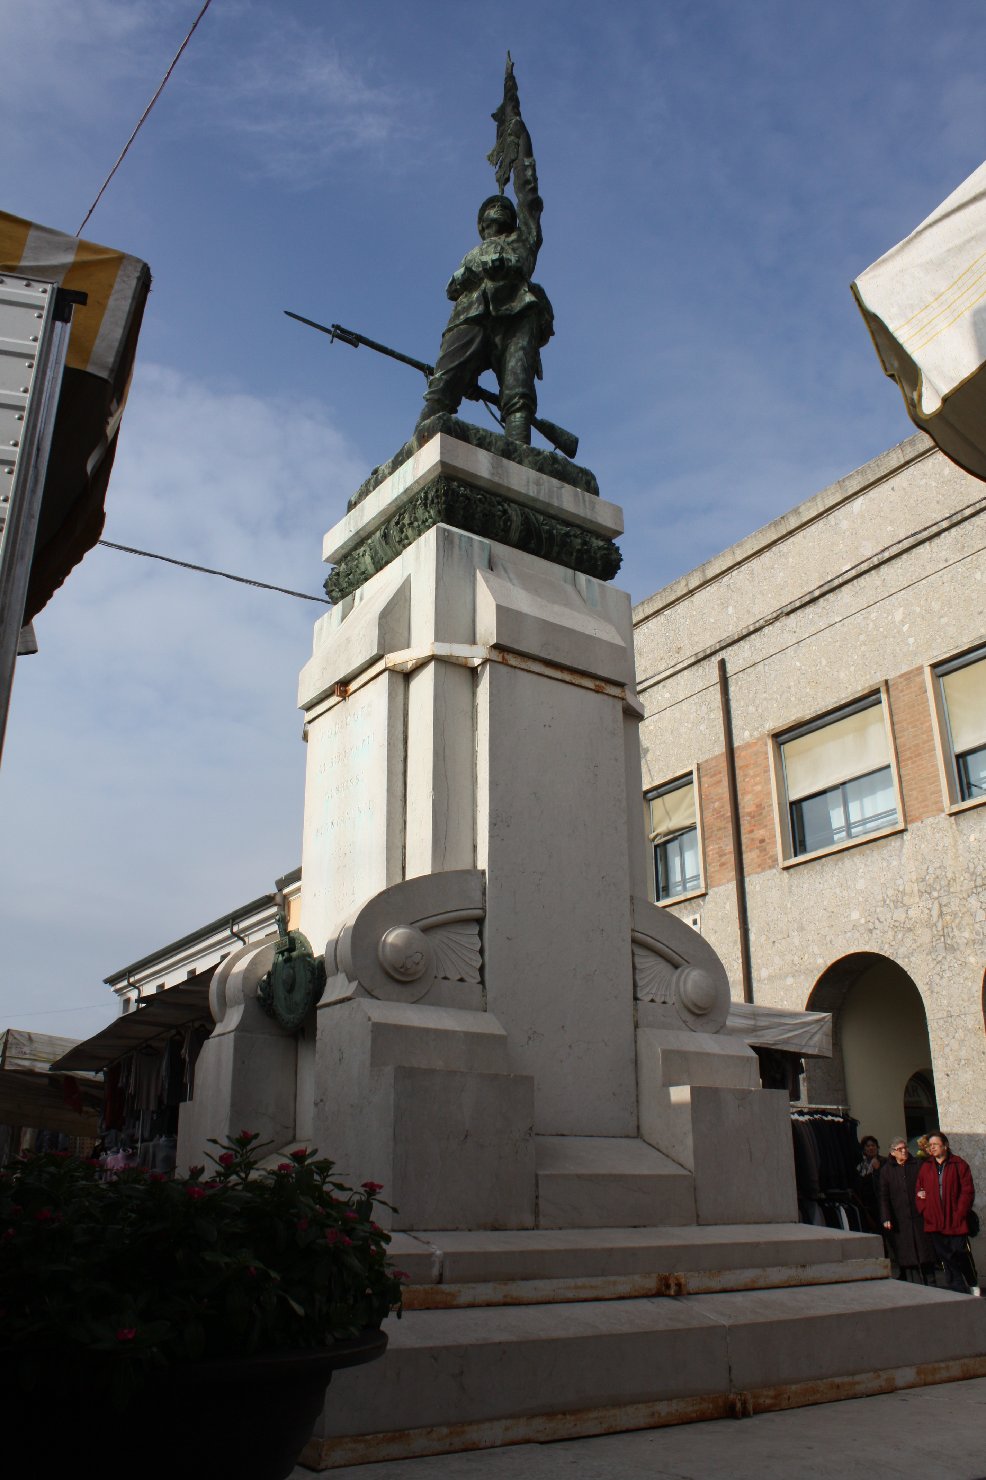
422	1100
246	1073
604	1182
472	707
737	1145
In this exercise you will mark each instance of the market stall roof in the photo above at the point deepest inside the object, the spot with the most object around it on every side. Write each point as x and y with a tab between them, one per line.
101	349
923	303
156	1017
20	1049
31	1095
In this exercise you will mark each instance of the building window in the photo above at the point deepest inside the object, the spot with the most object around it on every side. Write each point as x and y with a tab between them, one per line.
962	685
838	778
673	833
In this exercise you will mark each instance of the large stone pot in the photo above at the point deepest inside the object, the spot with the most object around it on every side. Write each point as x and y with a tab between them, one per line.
245	1418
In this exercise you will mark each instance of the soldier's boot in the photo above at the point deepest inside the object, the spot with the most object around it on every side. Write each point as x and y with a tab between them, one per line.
433	406
517	426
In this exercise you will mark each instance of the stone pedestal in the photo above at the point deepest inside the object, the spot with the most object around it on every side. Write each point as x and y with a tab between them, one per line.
474	863
471	706
246	1074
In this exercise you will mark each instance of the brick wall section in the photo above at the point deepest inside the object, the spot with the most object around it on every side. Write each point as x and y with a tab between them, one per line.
716	834
756	805
756	812
920	779
919	776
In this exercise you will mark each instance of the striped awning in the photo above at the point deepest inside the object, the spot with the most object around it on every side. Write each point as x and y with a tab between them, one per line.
101	350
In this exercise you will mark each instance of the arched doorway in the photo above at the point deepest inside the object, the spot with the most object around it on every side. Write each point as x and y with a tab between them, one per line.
920	1106
881	1064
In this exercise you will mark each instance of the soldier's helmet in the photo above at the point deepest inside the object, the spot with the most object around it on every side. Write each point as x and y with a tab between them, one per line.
497	205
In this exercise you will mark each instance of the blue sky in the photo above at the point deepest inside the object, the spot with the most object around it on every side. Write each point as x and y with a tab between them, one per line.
714	176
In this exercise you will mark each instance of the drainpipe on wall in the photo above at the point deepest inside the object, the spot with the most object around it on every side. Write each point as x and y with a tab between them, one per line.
742	916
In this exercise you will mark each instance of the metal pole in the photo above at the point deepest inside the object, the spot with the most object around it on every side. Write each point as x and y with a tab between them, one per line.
29	407
742	917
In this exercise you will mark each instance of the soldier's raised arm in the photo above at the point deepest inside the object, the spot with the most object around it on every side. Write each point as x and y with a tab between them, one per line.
513	155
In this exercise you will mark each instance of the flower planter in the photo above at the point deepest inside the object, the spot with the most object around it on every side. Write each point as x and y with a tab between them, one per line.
245	1418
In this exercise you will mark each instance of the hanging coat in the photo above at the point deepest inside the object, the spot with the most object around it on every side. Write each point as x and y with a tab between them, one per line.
898	1184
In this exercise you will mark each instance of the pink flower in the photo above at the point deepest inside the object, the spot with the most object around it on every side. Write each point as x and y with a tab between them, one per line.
43	1215
353	1217
195	1171
299	1155
347	1243
195	1192
301	1224
126	1333
372	1187
251	1271
249	1135
157	1177
285	1166
375	1226
332	1237
401	1274
227	1159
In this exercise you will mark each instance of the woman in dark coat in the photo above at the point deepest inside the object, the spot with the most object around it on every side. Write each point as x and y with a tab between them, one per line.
898	1212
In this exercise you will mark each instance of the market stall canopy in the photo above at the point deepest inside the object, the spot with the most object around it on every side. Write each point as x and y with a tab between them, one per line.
156	1017
101	350
804	1033
22	1050
32	1095
924	303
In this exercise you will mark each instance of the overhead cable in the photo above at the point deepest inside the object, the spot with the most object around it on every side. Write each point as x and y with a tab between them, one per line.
143	116
207	570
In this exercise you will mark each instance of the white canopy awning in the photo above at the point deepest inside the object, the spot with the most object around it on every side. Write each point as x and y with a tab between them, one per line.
804	1033
924	303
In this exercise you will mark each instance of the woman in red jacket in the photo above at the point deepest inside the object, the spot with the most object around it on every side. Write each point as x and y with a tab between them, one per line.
944	1197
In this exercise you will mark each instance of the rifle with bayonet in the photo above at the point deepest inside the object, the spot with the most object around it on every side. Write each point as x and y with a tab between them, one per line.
565	441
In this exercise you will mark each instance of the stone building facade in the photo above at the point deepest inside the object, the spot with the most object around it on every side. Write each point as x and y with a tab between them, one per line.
835	662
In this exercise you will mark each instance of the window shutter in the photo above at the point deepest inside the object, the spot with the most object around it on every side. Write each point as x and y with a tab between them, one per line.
965	698
837	752
672	812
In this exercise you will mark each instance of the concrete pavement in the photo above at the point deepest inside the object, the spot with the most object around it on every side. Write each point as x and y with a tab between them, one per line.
919	1434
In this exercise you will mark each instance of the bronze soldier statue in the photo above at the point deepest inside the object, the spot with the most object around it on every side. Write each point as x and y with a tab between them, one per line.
501	319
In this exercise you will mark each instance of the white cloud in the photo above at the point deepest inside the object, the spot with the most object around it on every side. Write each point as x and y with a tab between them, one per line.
77	50
293	102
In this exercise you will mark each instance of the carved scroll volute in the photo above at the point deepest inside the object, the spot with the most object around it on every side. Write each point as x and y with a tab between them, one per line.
674	966
413	935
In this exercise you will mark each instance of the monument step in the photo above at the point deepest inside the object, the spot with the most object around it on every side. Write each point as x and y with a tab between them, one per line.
460	1258
468	1379
638	1286
609	1182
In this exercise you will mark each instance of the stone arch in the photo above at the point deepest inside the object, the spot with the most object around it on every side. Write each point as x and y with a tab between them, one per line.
881	1048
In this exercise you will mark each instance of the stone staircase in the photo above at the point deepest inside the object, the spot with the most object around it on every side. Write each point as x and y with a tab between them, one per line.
549	1333
598	1181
